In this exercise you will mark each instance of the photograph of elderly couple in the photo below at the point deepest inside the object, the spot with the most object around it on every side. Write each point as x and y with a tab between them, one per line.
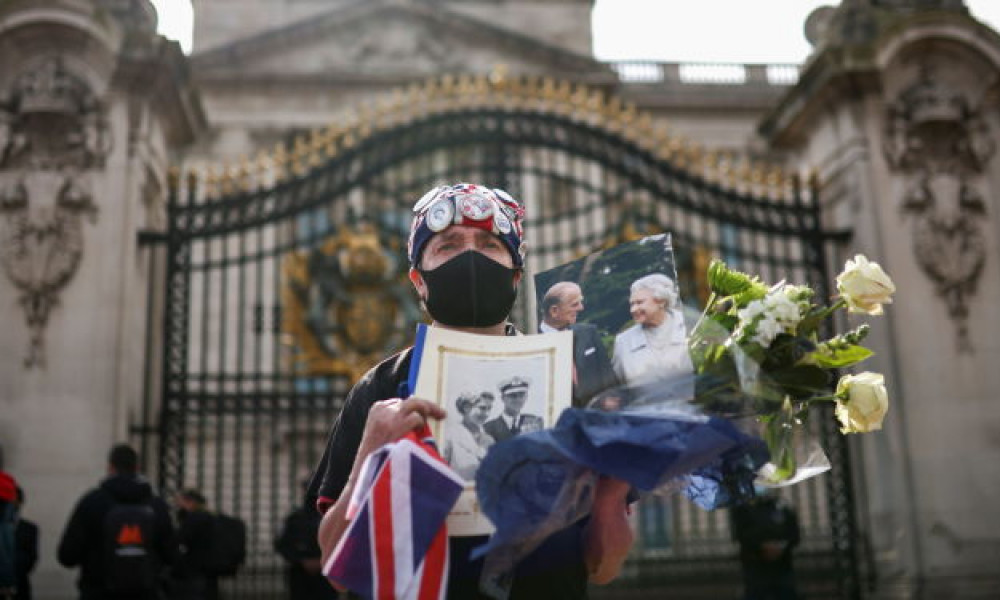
629	334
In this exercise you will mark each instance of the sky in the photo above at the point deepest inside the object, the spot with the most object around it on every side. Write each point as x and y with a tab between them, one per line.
669	30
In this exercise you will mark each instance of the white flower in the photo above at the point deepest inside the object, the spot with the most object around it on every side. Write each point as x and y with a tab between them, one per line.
865	405
767	329
754	309
781	308
798	293
865	286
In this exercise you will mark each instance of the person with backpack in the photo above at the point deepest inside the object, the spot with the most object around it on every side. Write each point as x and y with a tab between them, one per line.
192	578
120	535
297	543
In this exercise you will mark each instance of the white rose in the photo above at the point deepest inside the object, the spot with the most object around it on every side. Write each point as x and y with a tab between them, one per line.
865	286
865	404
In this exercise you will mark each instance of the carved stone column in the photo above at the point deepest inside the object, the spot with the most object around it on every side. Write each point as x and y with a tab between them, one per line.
53	138
937	140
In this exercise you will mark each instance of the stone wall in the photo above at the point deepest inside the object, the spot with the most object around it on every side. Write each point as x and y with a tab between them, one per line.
92	105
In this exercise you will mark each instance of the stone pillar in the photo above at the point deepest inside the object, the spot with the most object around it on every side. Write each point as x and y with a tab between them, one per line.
898	110
92	102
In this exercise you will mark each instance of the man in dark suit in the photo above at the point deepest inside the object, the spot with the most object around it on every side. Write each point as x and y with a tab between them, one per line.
592	371
513	394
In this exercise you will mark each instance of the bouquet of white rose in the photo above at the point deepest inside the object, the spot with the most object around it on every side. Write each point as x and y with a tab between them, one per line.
758	350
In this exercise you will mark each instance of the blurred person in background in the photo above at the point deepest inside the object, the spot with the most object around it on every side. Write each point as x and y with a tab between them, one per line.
298	545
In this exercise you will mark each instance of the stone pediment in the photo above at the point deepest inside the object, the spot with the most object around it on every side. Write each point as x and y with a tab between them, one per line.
392	38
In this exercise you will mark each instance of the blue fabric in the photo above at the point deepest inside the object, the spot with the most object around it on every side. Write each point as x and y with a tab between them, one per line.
540	482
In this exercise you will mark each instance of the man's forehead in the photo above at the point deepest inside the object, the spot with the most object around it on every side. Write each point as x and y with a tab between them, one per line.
461	232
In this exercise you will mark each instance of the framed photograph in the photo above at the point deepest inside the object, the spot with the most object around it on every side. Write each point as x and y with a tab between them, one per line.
493	388
624	307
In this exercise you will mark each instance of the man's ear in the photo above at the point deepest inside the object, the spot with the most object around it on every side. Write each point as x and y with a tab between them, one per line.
517	276
418	283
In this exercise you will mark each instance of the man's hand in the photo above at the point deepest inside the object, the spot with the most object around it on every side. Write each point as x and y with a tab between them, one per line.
609	536
388	420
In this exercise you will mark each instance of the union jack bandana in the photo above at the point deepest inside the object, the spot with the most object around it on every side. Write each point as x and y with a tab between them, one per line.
492	210
396	545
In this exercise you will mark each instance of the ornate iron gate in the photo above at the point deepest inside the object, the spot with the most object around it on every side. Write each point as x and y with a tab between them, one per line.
286	279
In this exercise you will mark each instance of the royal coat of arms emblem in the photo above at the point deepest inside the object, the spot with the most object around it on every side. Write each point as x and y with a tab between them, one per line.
348	303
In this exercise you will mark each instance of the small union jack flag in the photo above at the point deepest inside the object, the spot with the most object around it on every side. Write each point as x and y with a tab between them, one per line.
396	545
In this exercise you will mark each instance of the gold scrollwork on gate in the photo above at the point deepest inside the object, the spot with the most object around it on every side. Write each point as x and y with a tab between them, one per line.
343	302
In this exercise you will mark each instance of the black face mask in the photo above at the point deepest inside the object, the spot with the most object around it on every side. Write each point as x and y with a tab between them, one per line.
470	290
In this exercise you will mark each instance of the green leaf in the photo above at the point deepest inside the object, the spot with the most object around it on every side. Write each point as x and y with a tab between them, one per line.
778	435
800	381
839	358
756	292
786	351
730	282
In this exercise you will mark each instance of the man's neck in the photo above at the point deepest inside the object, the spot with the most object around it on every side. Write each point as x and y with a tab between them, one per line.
553	326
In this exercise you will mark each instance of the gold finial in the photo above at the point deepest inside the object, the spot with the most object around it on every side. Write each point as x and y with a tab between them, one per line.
348	139
466	87
579	98
644	127
629	113
222	183
498	76
330	135
613	107
315	147
211	183
192	181
300	152
173	178
448	87
548	89
431	90
564	91
481	88
260	168
280	161
243	174
695	155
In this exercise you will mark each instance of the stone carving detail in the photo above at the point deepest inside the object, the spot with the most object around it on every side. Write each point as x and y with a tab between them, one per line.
52	133
940	143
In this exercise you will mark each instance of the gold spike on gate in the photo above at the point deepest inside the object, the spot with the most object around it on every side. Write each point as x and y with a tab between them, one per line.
280	158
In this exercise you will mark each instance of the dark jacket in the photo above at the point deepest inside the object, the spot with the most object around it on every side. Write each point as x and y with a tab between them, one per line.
81	543
194	534
594	372
296	543
762	521
26	549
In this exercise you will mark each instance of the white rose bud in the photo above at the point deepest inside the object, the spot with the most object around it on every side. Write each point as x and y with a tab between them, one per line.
865	286
865	405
